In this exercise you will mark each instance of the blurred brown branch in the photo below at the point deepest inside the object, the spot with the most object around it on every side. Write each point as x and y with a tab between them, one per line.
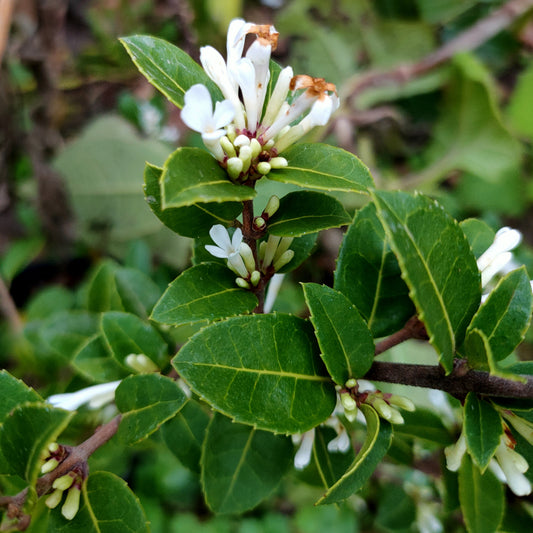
6	12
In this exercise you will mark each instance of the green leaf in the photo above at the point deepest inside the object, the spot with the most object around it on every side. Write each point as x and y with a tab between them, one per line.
345	341
167	68
377	442
483	428
481	497
520	108
48	301
368	274
17	256
192	175
262	370
425	425
437	265
204	292
127	334
146	401
102	293
184	434
190	221
25	435
304	212
323	167
241	465
479	234
107	506
14	392
95	362
504	317
137	291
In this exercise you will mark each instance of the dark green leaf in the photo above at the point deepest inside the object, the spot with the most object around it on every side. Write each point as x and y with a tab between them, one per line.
437	265
345	341
48	301
25	435
17	256
426	425
368	274
146	401
167	68
107	506
483	428
191	176
323	167
14	392
241	465
137	291
127	334
184	434
262	370
479	234
481	497
95	362
504	317
377	442
204	292
102	293
304	212
193	220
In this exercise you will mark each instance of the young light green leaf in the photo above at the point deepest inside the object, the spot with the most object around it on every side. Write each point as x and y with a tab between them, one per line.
483	428
126	334
190	221
107	506
346	344
191	176
481	497
184	434
437	265
95	362
262	370
167	68
25	435
304	212
323	167
146	401
504	317
241	465
368	274
377	442
204	292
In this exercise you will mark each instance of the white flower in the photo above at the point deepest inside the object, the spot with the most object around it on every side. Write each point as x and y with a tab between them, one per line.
198	114
512	465
95	396
228	248
272	291
302	458
454	453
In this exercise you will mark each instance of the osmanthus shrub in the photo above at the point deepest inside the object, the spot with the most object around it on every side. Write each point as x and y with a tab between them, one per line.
284	392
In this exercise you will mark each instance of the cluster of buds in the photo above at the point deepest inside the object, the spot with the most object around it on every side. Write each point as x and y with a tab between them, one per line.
71	483
243	134
385	403
54	454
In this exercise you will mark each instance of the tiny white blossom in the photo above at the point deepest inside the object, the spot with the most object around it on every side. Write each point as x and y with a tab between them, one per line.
227	248
95	396
302	458
455	452
513	466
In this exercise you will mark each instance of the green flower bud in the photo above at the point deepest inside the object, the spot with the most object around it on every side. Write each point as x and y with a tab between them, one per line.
49	465
255	277
278	162
263	168
285	258
348	402
242	283
141	363
234	167
351	383
267	146
230	132
228	147
242	140
262	250
53	500
245	155
63	482
271	207
248	257
283	246
53	447
259	223
401	402
270	250
256	147
72	503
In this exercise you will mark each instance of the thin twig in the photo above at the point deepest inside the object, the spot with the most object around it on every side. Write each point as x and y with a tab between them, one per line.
413	329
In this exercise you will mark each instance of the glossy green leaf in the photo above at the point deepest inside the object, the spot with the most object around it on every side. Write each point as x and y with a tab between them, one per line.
146	401
25	435
346	344
437	265
330	466
102	293
204	292
481	497
137	291
377	442
483	428
107	506
504	317
191	176
323	167
241	465
185	432
368	274
479	234
190	221
262	370
304	212
168	68
426	425
126	334
95	362
14	392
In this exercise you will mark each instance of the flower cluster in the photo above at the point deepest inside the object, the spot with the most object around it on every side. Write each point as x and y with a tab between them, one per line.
71	483
243	133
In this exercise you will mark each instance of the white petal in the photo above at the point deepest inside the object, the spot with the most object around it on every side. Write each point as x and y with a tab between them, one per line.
236	239
494	267
220	236
454	453
505	240
236	263
223	115
320	111
71	401
216	251
244	72
259	55
341	443
303	456
198	109
278	96
272	291
237	30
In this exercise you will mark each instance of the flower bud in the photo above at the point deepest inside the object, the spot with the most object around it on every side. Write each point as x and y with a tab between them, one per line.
283	246
256	147
53	500
242	283
141	363
270	250
246	253
271	207
245	155
53	447
268	145
241	140
72	503
259	223
263	168
255	277
351	383
278	162
63	482
348	402
230	132
285	258
234	167
262	250
382	407
402	402
228	147
49	465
